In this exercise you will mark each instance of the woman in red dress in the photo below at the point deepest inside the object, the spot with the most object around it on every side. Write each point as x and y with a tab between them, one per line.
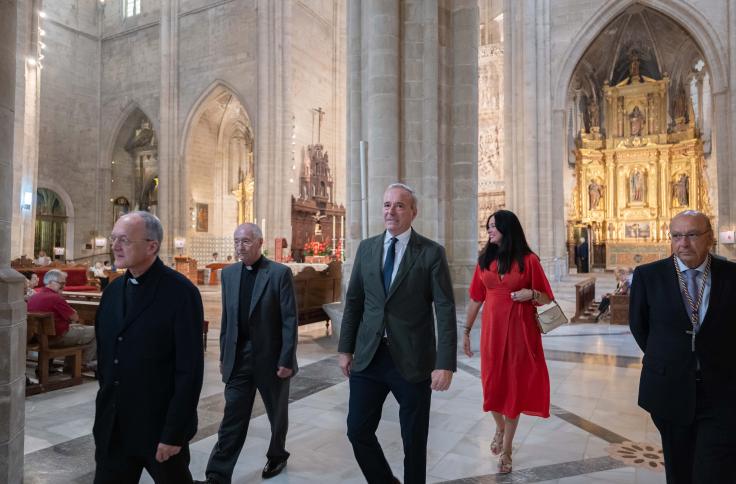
510	281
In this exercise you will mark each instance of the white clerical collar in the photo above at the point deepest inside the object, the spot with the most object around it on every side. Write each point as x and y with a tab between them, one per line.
403	237
683	267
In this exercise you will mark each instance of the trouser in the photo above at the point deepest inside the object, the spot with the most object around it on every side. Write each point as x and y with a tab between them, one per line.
368	391
703	451
121	468
77	335
240	392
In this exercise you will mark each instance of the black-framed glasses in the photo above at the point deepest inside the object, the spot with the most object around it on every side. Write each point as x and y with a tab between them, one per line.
691	236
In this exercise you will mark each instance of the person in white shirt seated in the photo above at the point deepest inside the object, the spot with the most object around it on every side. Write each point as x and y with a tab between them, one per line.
42	259
98	270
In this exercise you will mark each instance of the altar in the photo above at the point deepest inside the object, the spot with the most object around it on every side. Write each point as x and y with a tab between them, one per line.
634	171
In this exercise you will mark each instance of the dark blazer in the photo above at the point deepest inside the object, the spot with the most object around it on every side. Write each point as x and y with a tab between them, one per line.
150	364
659	321
272	326
423	278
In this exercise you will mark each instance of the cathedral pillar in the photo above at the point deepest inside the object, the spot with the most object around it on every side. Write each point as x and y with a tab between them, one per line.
173	192
412	90
273	124
12	305
535	133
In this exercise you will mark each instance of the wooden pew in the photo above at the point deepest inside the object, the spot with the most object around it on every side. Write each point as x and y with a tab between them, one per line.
619	309
313	289
584	295
40	329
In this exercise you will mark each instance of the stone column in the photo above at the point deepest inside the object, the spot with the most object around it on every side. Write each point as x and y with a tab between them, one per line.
413	88
12	306
173	191
273	121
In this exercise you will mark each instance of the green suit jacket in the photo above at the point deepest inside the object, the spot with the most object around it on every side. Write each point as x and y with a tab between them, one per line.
405	312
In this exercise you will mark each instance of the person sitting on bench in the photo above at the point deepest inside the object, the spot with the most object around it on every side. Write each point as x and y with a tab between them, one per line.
68	332
622	288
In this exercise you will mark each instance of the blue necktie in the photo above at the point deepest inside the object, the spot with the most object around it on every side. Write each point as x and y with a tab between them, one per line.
388	267
692	288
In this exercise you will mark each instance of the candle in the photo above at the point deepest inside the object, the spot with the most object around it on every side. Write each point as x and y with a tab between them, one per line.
334	234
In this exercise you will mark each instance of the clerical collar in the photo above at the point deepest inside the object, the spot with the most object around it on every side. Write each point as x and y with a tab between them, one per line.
255	265
140	280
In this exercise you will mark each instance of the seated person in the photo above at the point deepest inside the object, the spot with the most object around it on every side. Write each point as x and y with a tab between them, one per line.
31	283
98	270
42	259
68	332
215	258
623	282
229	259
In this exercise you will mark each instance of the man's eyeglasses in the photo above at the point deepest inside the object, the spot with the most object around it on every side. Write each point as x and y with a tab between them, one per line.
691	236
124	241
245	242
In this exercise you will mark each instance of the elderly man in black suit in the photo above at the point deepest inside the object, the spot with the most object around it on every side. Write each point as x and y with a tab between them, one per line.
681	317
399	284
258	338
150	362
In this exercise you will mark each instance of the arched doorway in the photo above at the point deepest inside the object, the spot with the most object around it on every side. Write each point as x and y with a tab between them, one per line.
51	224
219	157
639	123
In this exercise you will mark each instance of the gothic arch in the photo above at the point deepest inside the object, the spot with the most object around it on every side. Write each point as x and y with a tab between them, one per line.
124	115
68	207
689	18
217	86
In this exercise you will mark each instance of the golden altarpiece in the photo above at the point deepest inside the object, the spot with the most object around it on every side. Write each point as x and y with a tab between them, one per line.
633	178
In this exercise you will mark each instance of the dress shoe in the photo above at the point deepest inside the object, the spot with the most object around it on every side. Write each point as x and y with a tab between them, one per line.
273	468
206	481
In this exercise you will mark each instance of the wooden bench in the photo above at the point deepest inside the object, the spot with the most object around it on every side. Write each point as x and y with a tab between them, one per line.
619	309
584	296
313	289
40	329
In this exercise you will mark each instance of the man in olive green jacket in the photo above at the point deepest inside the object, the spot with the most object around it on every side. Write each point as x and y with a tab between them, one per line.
387	338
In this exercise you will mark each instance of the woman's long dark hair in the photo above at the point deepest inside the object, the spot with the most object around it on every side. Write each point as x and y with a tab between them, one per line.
513	245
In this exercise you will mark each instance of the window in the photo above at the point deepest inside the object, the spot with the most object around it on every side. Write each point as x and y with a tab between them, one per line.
131	8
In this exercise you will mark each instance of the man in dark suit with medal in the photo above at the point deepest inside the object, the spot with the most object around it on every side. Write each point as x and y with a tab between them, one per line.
258	338
681	317
149	362
400	282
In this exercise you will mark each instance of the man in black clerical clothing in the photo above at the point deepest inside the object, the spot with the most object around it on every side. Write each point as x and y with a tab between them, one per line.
258	339
150	362
681	316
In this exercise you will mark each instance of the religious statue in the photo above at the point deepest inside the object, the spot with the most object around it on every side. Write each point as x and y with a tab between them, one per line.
634	69
651	113
594	114
595	192
680	191
637	187
636	122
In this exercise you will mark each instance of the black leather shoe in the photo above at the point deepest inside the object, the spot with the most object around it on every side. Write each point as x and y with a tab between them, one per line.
206	481
273	468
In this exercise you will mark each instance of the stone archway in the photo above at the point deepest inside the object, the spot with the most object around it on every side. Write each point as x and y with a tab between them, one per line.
220	171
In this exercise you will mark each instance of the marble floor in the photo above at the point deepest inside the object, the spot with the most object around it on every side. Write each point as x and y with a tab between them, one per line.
596	433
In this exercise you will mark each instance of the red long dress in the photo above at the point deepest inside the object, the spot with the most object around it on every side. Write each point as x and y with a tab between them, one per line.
513	370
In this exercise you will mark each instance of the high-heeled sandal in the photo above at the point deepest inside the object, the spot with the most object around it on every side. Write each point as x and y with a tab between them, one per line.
504	463
497	442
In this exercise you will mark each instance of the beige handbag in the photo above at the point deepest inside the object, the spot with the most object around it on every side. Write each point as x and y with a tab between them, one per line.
551	317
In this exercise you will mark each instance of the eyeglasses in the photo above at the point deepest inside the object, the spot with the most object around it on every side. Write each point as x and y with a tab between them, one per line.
691	236
245	242
124	241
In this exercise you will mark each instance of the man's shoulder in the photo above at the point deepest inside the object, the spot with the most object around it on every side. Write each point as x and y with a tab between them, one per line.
276	267
176	279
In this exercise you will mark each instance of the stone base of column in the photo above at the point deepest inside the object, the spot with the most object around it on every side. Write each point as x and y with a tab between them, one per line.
12	374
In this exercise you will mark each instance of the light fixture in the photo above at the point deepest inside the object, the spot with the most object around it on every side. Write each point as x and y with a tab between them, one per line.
100	242
726	237
42	14
31	61
27	201
41	57
43	46
42	32
58	250
180	242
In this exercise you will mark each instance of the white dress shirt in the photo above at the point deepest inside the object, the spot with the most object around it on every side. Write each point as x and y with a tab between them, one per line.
401	244
699	280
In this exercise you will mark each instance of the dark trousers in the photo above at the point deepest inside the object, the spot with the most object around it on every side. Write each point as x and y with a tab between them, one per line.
704	451
121	468
240	392
368	391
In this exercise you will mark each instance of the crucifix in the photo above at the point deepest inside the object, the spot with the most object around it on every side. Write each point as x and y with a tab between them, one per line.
321	114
